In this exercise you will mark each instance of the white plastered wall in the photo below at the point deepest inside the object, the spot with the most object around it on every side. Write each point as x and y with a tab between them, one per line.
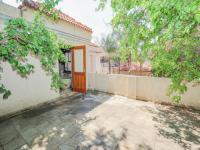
68	32
26	92
35	89
93	64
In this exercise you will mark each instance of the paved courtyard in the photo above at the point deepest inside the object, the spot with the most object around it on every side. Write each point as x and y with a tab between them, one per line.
102	122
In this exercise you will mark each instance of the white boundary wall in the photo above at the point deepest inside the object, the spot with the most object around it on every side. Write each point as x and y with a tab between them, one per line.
141	87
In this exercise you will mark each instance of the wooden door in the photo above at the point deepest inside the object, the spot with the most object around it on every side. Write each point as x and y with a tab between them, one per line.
79	69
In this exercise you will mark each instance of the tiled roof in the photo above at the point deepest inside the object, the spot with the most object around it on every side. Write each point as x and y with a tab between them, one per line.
35	5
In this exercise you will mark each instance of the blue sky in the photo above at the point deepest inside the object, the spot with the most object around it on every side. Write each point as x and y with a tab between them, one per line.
84	11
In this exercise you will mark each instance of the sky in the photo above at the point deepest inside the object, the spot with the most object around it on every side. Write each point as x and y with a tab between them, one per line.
84	11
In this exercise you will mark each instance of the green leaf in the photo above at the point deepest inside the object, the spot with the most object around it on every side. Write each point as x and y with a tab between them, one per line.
21	38
168	31
6	94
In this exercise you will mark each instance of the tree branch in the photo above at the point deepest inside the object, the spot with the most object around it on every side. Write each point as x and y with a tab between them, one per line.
16	38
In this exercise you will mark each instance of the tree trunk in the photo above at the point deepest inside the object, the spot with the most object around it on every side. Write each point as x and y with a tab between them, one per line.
129	64
141	64
119	67
109	65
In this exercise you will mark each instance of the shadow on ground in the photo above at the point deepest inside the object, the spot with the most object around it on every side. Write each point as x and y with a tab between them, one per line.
105	140
179	124
58	126
102	122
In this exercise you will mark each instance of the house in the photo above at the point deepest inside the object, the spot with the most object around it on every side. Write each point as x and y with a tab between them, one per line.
83	59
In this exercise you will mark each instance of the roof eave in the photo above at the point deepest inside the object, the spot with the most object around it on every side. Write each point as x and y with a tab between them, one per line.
71	20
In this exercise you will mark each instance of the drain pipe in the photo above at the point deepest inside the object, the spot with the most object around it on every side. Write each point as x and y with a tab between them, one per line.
22	9
21	12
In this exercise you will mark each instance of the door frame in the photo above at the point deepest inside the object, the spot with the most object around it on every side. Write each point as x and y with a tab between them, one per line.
84	68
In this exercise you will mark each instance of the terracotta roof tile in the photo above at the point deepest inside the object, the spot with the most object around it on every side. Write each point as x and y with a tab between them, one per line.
35	5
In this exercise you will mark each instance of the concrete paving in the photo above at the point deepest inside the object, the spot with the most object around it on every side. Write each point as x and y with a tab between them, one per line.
102	122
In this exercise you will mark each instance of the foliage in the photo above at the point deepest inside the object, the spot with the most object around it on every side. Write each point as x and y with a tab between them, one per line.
165	31
63	45
101	4
116	57
176	52
109	44
20	39
135	41
46	7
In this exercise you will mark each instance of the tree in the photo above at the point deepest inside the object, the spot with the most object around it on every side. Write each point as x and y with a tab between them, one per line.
134	25
20	39
109	44
117	59
169	31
